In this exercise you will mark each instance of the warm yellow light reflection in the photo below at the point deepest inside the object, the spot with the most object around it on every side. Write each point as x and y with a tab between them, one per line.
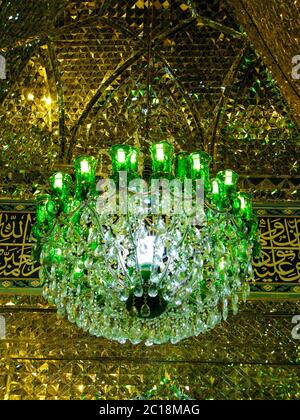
47	100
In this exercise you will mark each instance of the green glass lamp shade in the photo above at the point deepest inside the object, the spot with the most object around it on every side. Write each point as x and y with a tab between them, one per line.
55	254
78	273
162	159
199	167
243	205
134	161
229	180
216	192
124	159
85	173
85	170
182	165
41	209
60	184
51	209
45	214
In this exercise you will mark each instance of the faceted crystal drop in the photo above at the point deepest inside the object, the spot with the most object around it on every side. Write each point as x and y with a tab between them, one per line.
138	291
153	292
124	295
145	311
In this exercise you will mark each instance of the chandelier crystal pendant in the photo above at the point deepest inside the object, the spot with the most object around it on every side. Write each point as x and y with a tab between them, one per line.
156	264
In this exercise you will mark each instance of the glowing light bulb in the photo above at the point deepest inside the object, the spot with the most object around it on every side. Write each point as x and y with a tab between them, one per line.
160	153
215	187
121	156
197	163
243	203
84	167
228	177
133	157
222	265
145	250
58	181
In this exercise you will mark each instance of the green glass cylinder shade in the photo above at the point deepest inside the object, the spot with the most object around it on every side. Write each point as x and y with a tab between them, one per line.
199	167
182	166
55	255
229	180
45	214
77	274
41	209
162	160
243	205
134	161
216	193
85	170
124	159
85	173
60	184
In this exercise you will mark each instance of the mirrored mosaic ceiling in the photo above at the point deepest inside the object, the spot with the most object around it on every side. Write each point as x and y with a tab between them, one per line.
83	75
275	32
252	356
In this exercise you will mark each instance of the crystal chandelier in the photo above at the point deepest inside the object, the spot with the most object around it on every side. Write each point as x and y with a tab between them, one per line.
126	262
